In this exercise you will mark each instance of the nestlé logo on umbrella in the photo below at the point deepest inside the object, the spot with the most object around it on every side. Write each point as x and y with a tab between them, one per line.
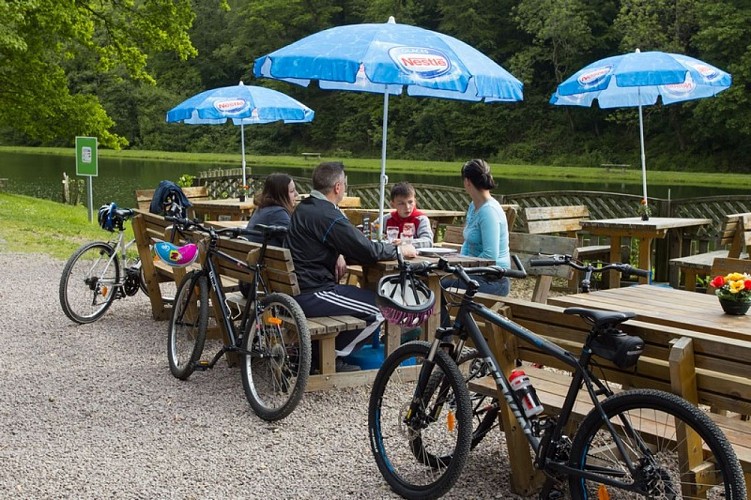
421	61
680	89
231	106
707	72
594	76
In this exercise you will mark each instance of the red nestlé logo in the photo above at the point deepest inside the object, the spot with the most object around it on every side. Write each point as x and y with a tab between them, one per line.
594	76
421	61
230	106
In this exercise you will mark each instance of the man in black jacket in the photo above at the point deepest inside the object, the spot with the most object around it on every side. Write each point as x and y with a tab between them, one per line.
322	240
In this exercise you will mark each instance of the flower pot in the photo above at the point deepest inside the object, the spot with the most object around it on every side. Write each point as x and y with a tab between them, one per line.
242	197
644	216
735	307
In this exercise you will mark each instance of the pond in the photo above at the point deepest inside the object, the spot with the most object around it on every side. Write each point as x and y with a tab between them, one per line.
41	176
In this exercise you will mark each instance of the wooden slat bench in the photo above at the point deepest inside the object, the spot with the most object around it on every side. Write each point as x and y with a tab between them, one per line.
280	276
704	369
144	196
734	242
565	220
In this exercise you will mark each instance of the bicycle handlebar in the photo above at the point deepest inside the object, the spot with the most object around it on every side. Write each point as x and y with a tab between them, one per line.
266	231
567	260
461	272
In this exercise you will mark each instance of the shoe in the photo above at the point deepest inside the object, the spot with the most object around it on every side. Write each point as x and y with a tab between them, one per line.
342	367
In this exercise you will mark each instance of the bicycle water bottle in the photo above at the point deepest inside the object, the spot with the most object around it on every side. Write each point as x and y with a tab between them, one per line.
525	392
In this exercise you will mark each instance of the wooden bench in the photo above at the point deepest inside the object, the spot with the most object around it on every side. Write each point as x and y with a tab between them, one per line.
621	166
734	242
144	196
565	220
704	369
311	156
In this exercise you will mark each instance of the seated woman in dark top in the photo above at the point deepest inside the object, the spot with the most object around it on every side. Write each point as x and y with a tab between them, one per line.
273	208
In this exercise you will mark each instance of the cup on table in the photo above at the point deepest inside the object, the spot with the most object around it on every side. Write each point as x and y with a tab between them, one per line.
408	232
392	233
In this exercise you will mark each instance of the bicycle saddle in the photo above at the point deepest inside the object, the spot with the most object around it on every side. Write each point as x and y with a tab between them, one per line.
600	318
174	255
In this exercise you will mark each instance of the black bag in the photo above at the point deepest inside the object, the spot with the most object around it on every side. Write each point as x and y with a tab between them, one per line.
169	199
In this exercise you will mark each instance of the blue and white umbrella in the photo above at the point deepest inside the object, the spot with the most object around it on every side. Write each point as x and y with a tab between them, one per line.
244	105
386	58
636	79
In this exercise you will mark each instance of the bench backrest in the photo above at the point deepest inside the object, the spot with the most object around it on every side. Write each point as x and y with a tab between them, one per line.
723	374
735	234
555	220
528	246
144	196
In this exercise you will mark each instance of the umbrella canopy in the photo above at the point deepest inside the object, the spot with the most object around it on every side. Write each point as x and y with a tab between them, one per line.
637	79
386	58
244	105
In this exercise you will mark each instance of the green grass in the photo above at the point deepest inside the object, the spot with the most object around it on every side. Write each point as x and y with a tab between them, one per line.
32	225
543	172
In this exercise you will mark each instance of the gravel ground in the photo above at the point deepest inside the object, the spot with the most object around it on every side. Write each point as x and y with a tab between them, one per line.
91	411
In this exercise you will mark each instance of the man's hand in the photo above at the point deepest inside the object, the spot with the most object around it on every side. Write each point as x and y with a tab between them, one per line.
341	267
408	251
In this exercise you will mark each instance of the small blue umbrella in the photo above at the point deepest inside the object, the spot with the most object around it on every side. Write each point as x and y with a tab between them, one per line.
244	104
637	79
387	57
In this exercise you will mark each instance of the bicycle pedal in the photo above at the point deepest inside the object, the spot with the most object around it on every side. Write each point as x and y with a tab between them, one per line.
203	364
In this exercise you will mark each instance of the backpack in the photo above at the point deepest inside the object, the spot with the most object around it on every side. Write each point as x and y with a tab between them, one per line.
169	199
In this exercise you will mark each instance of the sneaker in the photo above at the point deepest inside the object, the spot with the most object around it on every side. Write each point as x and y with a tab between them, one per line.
342	367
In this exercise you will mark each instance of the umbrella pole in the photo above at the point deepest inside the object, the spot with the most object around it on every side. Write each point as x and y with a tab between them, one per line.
384	178
643	154
242	148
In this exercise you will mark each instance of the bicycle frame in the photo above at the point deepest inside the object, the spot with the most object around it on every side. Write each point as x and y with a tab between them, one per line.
209	268
465	326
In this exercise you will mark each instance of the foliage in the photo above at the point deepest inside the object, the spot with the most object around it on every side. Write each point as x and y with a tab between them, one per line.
46	47
186	180
82	70
734	286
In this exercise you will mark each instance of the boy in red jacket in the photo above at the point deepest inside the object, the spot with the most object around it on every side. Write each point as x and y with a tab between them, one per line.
405	211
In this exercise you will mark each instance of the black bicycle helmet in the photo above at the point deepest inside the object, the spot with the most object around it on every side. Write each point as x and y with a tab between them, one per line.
106	216
404	300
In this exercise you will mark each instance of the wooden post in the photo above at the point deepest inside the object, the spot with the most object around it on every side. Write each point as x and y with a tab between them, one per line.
66	191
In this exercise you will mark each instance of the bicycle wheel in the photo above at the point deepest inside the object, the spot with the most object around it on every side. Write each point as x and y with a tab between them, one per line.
187	326
276	371
661	469
88	284
484	408
420	454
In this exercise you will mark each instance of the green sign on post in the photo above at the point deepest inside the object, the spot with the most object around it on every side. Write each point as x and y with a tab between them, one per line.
86	156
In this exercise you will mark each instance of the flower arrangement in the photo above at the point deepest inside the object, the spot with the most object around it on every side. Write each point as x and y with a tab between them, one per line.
735	287
243	190
644	209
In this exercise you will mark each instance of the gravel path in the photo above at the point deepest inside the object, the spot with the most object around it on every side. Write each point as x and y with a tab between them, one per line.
92	412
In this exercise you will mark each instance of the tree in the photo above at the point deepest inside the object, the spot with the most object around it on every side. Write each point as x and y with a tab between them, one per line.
41	41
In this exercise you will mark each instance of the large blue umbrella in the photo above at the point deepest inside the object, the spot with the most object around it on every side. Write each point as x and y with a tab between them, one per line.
636	79
387	57
244	105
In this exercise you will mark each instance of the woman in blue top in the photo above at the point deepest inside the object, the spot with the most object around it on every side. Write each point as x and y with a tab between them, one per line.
486	228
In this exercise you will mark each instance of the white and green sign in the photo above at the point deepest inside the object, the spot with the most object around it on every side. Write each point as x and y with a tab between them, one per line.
86	156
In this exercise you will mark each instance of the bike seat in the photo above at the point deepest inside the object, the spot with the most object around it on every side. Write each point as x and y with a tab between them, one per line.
600	318
174	255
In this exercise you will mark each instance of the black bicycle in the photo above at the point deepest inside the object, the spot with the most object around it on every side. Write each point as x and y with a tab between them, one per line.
272	336
632	444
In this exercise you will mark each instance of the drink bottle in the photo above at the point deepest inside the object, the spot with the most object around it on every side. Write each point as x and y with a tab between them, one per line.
525	392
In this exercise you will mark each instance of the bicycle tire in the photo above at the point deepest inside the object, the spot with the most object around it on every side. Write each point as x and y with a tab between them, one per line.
484	408
276	371
417	468
659	471
186	333
88	283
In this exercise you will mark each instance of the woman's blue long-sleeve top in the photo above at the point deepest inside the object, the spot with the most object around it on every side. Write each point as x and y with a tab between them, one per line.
486	233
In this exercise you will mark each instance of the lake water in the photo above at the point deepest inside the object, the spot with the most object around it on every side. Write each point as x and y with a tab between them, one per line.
41	176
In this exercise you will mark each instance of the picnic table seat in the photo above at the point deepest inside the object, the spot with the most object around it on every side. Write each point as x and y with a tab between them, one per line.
705	369
734	242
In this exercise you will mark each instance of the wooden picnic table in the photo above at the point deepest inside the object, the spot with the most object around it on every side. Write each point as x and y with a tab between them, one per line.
665	306
645	231
229	207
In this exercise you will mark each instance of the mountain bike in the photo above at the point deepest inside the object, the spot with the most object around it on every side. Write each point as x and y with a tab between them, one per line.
420	415
100	272
272	336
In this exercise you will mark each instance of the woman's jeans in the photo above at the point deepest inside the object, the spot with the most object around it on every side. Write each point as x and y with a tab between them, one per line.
490	286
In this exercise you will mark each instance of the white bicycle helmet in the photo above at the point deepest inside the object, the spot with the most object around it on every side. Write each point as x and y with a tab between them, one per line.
404	300
105	217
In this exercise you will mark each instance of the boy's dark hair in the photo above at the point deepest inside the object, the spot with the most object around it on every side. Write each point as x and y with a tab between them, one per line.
402	189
